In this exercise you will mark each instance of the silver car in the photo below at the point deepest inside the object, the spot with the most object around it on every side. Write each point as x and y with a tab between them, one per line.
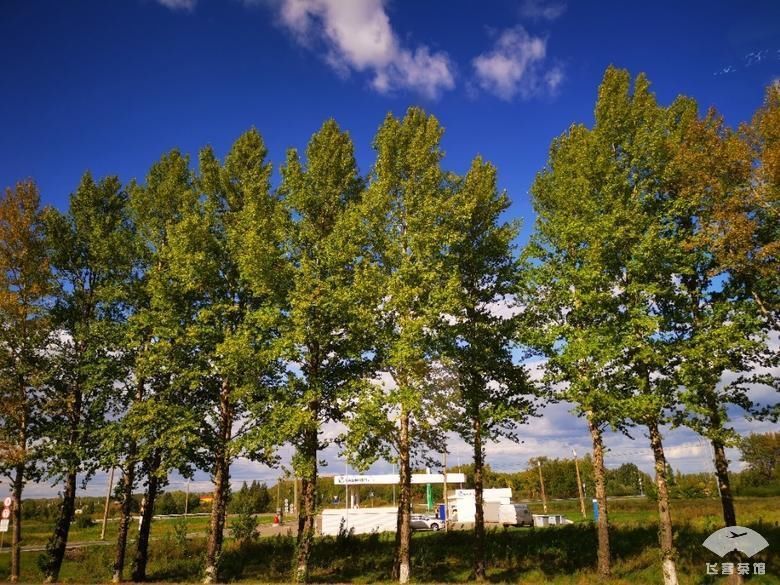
423	522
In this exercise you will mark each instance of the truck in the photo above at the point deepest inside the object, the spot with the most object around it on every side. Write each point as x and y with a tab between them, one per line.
510	514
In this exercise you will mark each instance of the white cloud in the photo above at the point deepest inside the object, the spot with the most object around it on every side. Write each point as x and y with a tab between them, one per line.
755	57
357	36
517	64
541	10
726	70
187	5
553	78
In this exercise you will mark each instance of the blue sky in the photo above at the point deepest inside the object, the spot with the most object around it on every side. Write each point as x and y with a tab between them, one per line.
109	85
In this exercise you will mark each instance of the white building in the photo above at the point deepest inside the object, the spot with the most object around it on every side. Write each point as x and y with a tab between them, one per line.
359	520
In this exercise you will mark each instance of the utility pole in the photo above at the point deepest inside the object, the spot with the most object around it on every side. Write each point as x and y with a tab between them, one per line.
541	482
394	485
108	501
446	499
278	498
579	483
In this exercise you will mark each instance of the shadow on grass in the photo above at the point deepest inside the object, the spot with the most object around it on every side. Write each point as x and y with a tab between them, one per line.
448	557
564	554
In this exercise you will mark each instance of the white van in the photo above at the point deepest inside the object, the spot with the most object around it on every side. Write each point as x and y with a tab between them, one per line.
515	515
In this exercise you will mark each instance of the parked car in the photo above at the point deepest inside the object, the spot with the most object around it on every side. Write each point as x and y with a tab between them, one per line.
423	522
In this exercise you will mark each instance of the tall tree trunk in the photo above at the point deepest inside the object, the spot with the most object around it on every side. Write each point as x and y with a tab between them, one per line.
55	549
18	484
724	484
128	479
147	513
479	519
721	463
301	512
599	477
306	517
217	521
16	512
401	565
221	487
726	499
665	536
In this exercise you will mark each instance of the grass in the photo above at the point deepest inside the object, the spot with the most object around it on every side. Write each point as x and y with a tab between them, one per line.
702	512
551	556
37	532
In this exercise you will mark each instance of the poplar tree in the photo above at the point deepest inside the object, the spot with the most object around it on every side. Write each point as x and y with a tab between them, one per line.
225	256
92	263
743	225
606	252
719	325
631	133
568	307
492	392
25	286
408	220
156	429
328	323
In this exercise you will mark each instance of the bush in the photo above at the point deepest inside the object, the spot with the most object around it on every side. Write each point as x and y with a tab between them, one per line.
166	504
84	521
180	533
244	528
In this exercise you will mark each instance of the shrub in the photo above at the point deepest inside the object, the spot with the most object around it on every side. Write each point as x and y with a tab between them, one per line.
84	521
180	533
244	527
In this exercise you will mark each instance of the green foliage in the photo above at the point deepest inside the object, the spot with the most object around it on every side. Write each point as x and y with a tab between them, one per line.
157	423
180	529
253	499
243	527
407	219
25	283
560	479
165	504
92	266
327	322
761	453
492	393
83	521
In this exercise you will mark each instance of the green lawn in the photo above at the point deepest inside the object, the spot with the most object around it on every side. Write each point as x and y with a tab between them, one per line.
37	532
564	555
702	513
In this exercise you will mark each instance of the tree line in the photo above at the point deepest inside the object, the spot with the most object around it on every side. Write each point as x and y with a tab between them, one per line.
203	314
